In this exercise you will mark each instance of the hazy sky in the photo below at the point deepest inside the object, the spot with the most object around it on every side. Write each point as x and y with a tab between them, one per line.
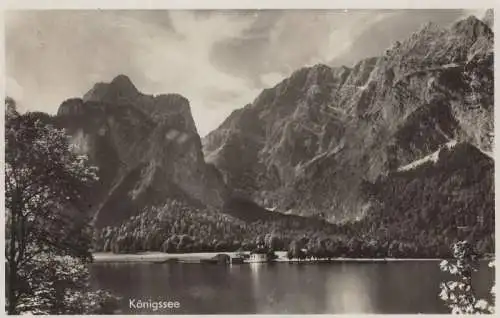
219	60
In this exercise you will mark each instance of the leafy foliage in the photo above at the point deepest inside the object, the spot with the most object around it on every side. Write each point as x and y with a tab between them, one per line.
458	294
47	237
436	204
417	213
177	227
60	285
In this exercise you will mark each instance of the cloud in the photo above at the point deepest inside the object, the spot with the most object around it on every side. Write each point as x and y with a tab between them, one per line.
371	37
55	55
219	60
281	41
186	67
278	41
271	79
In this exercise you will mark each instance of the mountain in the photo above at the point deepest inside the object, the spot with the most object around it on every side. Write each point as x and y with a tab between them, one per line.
448	196
310	144
147	149
489	18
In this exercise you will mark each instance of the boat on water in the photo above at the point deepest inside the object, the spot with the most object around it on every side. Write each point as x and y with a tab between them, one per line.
237	260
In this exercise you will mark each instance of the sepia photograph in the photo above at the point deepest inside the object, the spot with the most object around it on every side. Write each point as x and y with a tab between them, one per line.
249	161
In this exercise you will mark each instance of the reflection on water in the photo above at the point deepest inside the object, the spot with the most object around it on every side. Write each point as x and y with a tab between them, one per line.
356	290
406	287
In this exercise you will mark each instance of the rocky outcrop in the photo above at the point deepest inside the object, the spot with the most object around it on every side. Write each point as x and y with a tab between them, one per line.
147	149
308	144
489	18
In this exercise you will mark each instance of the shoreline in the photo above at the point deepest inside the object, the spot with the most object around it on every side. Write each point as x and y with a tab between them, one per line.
159	257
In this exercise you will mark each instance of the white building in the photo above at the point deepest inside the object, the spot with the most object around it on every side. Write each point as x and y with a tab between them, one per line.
258	258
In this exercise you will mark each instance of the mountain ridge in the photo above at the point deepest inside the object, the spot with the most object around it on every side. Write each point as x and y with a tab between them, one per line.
147	149
315	136
306	146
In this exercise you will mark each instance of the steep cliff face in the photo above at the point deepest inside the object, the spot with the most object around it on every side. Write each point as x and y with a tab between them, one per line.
308	144
146	147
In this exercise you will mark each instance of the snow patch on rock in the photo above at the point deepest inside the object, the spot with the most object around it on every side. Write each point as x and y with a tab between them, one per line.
433	157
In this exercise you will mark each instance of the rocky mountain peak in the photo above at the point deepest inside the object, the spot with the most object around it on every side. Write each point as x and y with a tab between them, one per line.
71	107
170	108
307	144
120	89
472	28
146	147
489	18
123	83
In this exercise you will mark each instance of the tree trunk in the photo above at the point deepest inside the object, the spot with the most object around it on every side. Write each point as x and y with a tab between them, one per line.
11	288
12	262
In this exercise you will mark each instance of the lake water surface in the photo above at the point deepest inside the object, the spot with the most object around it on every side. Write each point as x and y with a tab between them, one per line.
282	288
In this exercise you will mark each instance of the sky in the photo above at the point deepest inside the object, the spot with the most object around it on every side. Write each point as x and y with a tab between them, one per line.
218	60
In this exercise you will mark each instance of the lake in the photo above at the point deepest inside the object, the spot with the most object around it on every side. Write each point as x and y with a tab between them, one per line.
282	288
